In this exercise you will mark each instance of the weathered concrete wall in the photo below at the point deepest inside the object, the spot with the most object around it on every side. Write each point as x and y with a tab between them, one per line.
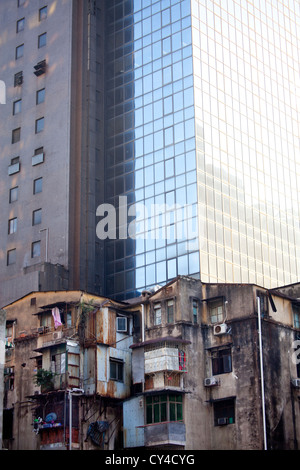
243	383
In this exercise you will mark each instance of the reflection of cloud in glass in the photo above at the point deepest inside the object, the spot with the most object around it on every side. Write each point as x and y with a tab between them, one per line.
245	98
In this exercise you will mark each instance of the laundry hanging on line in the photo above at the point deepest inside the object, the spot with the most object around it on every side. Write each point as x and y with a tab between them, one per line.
56	317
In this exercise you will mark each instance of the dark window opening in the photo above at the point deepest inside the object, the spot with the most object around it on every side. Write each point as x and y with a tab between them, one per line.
224	412
264	304
221	361
116	370
8	417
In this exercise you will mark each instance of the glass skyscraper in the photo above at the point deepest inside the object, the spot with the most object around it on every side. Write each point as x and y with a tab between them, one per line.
202	120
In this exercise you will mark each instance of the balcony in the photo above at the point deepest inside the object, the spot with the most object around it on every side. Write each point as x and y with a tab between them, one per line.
48	337
14	168
167	433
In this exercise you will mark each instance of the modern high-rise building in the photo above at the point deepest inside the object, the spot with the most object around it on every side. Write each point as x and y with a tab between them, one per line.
179	114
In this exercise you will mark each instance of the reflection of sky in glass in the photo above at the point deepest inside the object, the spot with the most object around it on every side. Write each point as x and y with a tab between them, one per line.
160	167
165	141
203	108
246	73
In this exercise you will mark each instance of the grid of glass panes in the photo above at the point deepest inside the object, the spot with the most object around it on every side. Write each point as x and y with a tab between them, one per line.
150	144
246	57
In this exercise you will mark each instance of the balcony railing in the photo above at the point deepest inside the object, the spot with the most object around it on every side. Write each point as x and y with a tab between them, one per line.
164	358
167	433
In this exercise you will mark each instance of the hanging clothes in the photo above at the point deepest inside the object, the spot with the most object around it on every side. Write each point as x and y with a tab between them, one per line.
56	317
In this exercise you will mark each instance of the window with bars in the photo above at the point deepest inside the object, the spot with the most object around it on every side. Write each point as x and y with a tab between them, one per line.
165	407
170	311
296	316
18	79
157	313
58	363
224	412
195	304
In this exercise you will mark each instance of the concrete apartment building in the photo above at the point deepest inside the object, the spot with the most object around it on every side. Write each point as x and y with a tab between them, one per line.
60	346
175	369
48	178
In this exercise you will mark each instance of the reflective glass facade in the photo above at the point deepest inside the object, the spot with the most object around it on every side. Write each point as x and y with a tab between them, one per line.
246	76
201	119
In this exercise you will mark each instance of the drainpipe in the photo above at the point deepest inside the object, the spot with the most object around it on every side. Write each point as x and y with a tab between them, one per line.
70	420
262	373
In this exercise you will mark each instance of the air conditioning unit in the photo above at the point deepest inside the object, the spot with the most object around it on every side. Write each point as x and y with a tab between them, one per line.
220	329
296	383
210	382
122	324
57	335
222	421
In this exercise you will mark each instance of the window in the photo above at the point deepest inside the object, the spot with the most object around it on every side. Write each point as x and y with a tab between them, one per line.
9	377
16	135
170	311
12	225
9	330
264	304
221	361
46	319
20	25
216	310
18	80
42	40
160	408
296	316
40	96
19	51
37	217
38	156
17	107
39	125
13	194
116	370
121	324
11	257
38	186
224	412
195	310
36	249
42	13
14	166
157	314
